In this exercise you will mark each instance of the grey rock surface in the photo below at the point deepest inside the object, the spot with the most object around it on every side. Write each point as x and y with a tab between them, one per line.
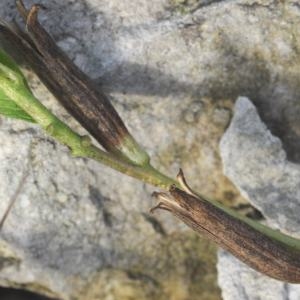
173	69
238	281
255	162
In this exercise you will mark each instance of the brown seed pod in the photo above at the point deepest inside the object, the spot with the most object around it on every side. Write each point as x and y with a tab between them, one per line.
261	248
73	89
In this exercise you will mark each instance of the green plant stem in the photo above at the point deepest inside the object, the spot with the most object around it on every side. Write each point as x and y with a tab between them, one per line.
15	88
147	173
80	146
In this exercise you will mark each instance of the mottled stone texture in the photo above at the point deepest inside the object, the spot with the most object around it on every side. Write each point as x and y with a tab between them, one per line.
173	70
254	160
239	282
256	163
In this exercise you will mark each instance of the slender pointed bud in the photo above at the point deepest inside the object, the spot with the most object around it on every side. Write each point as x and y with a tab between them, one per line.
74	89
266	250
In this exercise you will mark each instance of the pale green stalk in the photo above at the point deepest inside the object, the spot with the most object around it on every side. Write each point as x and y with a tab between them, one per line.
13	85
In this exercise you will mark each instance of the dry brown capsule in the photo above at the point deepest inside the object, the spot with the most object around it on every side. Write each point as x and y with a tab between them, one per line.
265	250
74	89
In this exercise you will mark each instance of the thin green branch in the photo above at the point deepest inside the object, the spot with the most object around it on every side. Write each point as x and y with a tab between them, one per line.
12	85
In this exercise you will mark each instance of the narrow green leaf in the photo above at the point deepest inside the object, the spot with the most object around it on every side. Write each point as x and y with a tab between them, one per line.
10	109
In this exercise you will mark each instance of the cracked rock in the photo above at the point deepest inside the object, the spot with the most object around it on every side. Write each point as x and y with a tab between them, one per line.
256	163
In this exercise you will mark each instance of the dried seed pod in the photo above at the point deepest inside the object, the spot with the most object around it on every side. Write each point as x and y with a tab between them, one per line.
265	250
74	89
